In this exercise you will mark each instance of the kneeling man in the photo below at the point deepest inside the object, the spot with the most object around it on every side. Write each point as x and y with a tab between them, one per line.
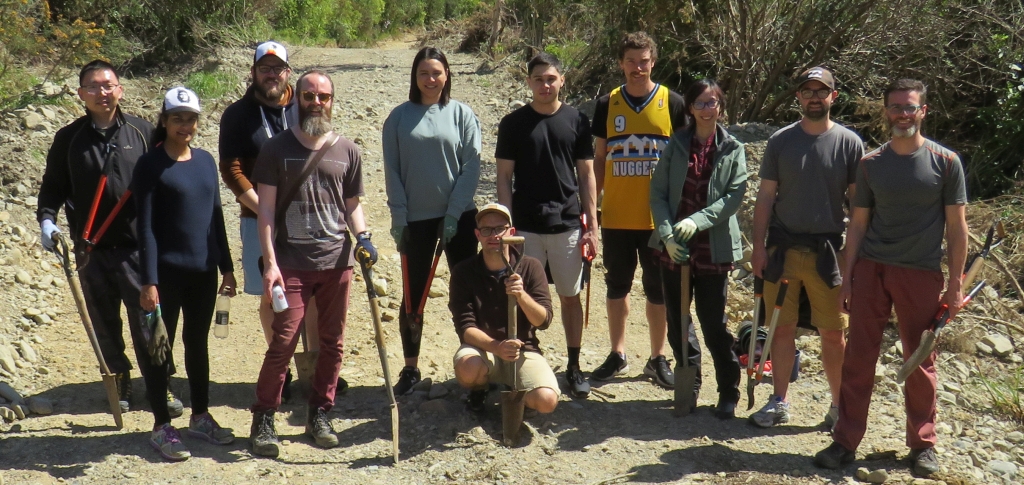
479	303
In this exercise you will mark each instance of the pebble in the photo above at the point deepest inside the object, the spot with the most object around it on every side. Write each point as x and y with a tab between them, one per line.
20	410
7	413
1001	346
27	352
438	289
982	348
7	360
947	397
437	391
22	277
877	476
423	385
1003	468
40	405
380	285
1015	436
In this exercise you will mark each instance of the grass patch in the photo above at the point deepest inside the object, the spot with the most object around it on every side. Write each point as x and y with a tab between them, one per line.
211	85
1006	391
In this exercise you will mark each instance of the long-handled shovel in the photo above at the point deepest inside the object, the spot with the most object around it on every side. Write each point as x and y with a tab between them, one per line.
109	380
930	337
686	374
378	332
766	351
752	347
513	401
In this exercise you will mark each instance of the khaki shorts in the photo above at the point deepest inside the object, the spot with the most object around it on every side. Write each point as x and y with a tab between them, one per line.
532	371
801	271
561	252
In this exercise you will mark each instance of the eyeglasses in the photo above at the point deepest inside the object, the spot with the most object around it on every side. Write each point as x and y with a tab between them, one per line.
705	104
98	88
907	109
309	96
820	93
492	231
272	69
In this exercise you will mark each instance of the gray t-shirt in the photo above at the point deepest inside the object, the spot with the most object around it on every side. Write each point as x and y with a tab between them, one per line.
813	173
314	236
907	195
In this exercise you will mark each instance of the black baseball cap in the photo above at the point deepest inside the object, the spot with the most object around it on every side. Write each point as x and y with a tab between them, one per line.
817	74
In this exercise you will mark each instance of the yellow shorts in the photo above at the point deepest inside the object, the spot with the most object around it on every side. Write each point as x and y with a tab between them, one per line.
802	272
532	370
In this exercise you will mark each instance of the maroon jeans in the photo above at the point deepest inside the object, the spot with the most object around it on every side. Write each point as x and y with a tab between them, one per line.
915	294
331	288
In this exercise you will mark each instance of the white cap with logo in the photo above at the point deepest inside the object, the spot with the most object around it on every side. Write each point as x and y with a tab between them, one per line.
270	48
181	99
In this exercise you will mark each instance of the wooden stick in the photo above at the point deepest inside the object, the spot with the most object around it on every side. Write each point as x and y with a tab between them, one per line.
1013	326
614	479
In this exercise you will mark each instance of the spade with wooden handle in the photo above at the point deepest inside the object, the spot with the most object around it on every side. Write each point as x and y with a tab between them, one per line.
766	351
513	400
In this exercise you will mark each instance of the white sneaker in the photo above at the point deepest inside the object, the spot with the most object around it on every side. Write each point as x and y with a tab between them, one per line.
774	413
167	441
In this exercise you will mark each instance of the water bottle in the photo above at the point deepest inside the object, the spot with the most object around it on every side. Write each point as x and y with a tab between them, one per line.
220	321
277	300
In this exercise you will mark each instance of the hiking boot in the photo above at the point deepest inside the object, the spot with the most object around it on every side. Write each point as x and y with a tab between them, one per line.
123	381
166	440
774	413
614	365
263	435
205	427
342	386
834	457
286	391
658	370
174	406
725	409
409	377
578	385
832	417
318	427
477	401
926	462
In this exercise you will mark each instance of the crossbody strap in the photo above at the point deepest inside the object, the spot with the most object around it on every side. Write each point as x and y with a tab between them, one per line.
311	163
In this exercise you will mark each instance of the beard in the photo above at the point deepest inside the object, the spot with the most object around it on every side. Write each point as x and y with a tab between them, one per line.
816	112
315	125
904	133
272	93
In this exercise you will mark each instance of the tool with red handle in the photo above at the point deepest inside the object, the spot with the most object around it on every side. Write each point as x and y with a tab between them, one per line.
588	262
930	337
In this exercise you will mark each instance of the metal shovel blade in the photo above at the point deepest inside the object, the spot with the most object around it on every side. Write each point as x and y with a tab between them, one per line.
110	383
305	362
513	404
925	348
686	378
751	384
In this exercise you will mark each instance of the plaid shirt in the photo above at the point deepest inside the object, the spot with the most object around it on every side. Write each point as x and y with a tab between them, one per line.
695	198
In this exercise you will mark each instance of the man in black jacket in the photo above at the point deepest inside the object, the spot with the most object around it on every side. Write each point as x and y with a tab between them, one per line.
103	142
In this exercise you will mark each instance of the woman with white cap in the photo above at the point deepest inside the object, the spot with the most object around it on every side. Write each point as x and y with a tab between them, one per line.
182	244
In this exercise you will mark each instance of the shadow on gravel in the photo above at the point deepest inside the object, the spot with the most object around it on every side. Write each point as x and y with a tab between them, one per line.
717	458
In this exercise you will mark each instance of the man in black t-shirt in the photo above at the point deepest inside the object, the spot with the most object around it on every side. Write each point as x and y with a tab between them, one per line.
546	175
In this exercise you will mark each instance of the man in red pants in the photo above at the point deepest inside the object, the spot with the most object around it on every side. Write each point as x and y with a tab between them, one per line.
910	192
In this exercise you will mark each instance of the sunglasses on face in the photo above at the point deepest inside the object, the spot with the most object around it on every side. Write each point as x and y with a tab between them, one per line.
811	93
309	96
492	231
907	109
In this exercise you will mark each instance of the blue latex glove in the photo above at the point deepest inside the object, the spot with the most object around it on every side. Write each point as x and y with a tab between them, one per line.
451	226
49	230
365	249
397	231
684	229
678	252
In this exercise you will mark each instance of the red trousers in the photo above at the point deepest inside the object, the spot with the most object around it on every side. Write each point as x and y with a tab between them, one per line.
331	288
915	294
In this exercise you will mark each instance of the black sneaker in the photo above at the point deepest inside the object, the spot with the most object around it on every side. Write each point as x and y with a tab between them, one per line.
614	365
660	372
926	462
477	401
318	427
578	385
834	457
286	391
342	386
263	435
409	377
726	408
123	381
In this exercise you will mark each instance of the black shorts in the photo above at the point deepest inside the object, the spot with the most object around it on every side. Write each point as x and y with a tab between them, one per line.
622	249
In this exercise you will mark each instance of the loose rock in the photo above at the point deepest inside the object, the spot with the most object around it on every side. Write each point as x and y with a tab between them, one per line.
1003	468
39	405
1000	345
877	476
437	391
23	277
9	393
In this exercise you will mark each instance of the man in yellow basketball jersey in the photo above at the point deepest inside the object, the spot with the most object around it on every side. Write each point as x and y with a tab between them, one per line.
632	125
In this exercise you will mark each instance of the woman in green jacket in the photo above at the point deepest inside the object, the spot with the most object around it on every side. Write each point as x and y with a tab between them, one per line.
696	190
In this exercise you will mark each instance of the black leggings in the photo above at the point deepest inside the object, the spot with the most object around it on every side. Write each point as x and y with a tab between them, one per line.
708	293
419	253
193	295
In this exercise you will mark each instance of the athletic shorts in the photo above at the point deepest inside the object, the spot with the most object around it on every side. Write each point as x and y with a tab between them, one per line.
252	278
532	371
562	254
801	271
622	248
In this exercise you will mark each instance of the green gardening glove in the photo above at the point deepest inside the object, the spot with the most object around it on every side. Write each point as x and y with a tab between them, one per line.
397	232
451	226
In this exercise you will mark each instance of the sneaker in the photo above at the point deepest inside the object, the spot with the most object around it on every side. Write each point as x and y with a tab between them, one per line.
166	440
205	427
832	417
774	413
725	409
263	435
926	462
834	457
409	377
658	370
123	381
342	386
174	406
578	385
286	391
318	427
614	365
477	401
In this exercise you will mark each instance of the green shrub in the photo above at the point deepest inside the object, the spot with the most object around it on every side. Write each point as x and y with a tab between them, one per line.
209	86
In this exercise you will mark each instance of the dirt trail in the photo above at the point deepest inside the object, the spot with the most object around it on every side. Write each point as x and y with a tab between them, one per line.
624	430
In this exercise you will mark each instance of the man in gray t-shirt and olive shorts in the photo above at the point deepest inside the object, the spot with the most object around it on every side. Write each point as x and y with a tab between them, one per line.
807	173
909	192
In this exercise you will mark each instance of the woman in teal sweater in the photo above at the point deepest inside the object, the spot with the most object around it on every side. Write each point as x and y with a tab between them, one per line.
431	169
696	190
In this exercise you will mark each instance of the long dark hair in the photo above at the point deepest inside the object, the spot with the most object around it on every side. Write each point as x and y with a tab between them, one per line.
160	133
424	54
695	90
